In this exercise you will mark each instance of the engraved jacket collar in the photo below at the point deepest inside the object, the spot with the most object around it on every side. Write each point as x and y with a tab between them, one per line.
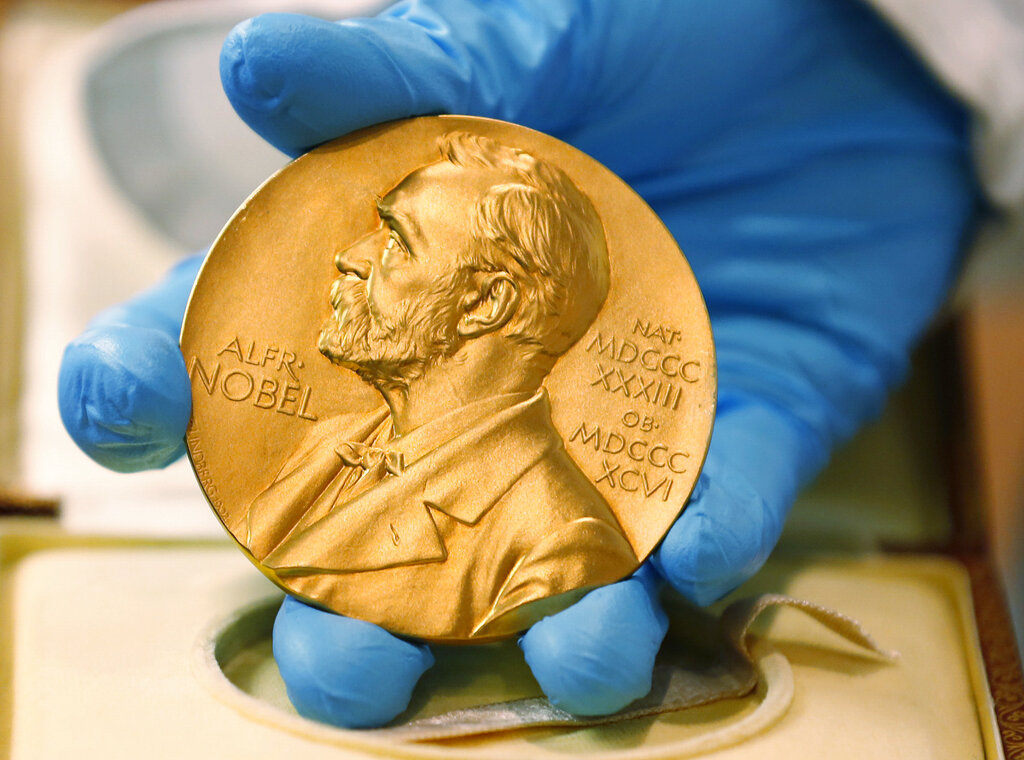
453	478
424	439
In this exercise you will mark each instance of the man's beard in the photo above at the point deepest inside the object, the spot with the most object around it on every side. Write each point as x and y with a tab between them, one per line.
390	353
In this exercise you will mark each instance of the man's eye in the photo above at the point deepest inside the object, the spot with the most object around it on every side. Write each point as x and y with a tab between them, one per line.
395	245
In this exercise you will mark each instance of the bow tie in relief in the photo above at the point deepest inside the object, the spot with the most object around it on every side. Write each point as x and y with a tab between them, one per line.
371	458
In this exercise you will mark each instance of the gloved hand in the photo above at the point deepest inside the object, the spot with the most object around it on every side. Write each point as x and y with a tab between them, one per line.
815	175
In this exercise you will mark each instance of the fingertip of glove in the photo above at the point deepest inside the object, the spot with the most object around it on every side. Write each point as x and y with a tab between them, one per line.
721	539
299	81
343	671
597	656
247	84
124	397
692	561
282	73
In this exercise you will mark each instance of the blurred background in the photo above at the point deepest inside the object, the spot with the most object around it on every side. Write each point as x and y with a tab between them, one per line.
119	154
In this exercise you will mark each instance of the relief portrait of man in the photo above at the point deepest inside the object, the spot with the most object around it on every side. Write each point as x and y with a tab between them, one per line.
487	265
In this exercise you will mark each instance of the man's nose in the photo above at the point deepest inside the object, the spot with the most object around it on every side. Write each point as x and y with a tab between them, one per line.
360	257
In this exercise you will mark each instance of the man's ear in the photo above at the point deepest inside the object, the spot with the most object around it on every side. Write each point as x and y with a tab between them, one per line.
497	302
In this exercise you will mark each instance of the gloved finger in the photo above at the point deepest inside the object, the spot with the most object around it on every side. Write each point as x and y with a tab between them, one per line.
343	671
758	459
597	656
299	81
123	388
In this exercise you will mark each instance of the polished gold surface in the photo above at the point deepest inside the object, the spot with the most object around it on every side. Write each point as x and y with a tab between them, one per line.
502	401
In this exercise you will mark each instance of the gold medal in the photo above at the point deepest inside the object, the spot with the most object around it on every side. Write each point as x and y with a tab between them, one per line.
448	374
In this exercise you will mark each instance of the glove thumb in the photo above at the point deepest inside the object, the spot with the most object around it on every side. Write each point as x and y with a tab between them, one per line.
299	81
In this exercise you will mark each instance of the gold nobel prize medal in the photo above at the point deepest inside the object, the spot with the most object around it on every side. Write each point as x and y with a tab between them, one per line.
448	374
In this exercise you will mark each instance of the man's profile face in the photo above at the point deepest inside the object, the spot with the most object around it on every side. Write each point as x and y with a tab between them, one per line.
397	303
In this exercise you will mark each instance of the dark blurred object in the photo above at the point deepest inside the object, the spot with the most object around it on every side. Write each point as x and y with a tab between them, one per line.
15	503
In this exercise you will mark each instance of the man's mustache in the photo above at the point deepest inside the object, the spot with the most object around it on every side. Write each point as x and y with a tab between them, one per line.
347	291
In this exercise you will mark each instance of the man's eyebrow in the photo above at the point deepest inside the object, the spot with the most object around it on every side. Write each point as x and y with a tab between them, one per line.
398	221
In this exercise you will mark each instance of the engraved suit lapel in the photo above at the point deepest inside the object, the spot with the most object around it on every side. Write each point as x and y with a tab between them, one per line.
367	534
391	524
512	442
387	525
309	477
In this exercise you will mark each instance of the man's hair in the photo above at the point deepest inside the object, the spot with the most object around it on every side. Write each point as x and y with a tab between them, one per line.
539	228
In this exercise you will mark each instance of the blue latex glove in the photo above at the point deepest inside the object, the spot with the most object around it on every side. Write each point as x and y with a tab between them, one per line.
813	172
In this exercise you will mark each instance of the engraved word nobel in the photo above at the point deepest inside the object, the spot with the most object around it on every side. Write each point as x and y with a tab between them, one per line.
242	384
456	327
